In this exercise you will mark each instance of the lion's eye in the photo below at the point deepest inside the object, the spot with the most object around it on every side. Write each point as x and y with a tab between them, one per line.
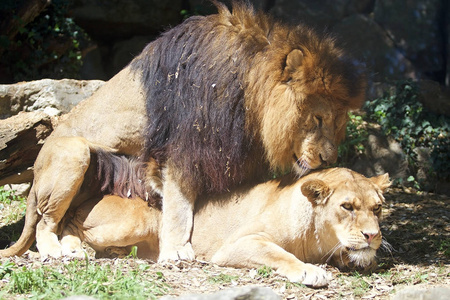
319	121
347	206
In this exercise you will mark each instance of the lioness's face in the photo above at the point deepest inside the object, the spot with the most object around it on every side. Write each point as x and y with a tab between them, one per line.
321	129
354	210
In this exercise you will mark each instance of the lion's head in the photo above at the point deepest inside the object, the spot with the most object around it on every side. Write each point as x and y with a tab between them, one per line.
305	110
347	212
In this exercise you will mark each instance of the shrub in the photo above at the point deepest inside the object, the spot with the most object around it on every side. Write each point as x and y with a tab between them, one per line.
403	117
48	47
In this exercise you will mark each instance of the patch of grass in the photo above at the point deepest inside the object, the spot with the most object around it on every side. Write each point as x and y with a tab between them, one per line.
265	271
291	285
12	210
8	195
444	247
222	278
82	278
359	285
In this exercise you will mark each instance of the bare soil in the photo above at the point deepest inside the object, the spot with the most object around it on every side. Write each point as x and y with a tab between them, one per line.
416	225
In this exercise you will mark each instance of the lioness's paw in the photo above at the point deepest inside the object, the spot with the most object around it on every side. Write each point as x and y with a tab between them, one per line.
309	275
178	253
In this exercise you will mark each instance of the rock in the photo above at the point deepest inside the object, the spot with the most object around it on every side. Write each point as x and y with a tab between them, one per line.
116	20
382	155
422	292
434	97
320	14
369	42
248	293
124	51
414	28
54	97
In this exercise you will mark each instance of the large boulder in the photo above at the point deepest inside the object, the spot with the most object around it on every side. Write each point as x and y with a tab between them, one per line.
54	97
414	27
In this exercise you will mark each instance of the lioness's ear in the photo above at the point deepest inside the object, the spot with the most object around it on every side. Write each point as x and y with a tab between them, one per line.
382	181
316	191
293	60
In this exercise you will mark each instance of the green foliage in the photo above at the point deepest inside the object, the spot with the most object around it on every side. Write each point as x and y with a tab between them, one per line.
356	136
222	278
6	269
12	209
403	117
6	196
359	285
264	271
81	278
48	47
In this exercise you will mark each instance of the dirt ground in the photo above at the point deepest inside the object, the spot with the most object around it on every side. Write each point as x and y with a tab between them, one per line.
416	225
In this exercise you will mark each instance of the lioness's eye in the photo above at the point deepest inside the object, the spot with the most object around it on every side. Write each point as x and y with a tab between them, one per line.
347	206
377	208
319	121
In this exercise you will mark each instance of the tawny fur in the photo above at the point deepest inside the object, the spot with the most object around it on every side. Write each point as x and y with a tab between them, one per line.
284	224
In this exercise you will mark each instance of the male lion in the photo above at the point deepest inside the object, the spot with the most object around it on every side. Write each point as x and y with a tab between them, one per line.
217	101
327	216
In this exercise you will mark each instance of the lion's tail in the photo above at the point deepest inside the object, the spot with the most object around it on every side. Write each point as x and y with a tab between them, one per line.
123	176
29	229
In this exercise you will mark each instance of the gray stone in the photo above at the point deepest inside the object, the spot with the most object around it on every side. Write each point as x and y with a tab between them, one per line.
320	14
368	42
382	155
422	292
414	28
54	97
247	293
115	19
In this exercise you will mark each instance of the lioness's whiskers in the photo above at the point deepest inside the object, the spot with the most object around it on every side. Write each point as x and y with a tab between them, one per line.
332	251
386	246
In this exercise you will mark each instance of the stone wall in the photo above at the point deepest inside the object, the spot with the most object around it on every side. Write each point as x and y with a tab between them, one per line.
396	39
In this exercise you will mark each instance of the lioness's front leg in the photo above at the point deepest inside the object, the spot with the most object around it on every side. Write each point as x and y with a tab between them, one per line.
177	220
255	250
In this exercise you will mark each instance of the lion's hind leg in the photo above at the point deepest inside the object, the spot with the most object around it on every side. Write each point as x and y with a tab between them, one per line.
59	173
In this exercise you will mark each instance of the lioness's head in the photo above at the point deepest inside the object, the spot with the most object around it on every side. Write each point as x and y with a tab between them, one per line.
305	115
347	208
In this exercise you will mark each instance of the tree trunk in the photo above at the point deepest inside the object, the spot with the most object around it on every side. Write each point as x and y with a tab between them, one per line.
21	138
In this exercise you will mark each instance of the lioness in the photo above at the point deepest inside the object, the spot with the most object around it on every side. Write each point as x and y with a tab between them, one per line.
327	216
219	101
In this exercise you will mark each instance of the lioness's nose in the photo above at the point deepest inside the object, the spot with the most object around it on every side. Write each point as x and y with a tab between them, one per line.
369	236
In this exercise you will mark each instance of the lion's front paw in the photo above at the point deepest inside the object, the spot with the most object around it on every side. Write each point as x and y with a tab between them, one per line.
177	253
308	275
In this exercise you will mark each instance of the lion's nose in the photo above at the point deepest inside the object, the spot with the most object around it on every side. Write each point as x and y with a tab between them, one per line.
329	154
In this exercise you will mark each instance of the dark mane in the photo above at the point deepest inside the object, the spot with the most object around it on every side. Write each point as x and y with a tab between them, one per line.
195	92
194	77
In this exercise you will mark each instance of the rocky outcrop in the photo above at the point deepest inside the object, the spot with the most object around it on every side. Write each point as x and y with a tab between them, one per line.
53	97
29	112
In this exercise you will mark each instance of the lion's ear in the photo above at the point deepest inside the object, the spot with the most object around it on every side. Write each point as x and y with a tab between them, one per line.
382	181
293	61
316	191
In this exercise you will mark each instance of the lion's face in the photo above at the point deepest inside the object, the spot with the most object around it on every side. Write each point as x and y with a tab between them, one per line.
320	130
305	115
347	214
